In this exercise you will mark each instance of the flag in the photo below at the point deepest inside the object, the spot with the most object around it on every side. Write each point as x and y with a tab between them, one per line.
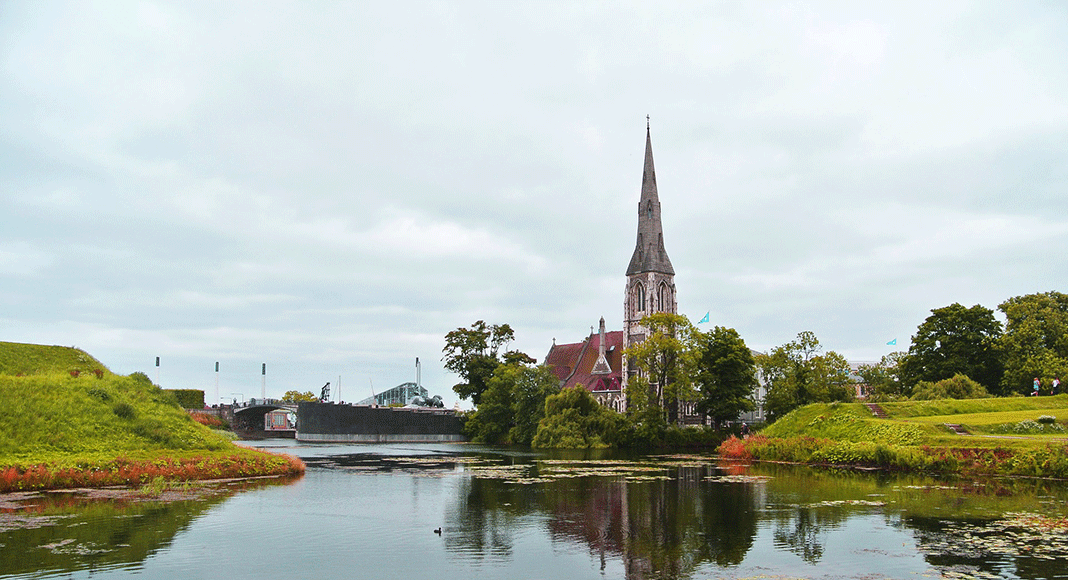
705	319
892	343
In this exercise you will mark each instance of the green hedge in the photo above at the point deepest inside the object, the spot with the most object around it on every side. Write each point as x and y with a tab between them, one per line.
189	398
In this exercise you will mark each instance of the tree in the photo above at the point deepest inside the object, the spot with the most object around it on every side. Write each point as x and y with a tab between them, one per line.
297	396
472	353
575	420
726	374
1035	343
531	387
513	404
797	375
884	378
955	340
666	362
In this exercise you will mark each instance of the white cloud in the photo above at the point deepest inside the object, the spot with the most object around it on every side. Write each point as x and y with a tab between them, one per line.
333	188
21	260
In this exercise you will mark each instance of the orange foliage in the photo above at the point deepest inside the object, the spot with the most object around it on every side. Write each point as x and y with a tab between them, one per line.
123	471
206	419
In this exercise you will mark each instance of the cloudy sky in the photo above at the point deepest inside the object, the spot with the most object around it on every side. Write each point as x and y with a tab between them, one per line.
331	187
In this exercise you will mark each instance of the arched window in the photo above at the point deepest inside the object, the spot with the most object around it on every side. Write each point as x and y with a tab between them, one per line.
661	297
639	296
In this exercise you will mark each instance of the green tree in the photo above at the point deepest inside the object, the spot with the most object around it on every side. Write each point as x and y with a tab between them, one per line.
473	353
884	378
512	405
666	361
956	387
297	396
796	375
575	420
531	387
1035	343
955	340
726	374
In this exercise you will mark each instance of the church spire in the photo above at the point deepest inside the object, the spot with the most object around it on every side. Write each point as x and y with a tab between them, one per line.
649	253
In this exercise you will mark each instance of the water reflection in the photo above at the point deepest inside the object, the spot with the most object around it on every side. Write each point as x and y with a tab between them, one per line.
65	531
666	527
507	514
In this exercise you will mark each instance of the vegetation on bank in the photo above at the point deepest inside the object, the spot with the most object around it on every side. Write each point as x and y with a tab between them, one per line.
95	428
916	438
521	403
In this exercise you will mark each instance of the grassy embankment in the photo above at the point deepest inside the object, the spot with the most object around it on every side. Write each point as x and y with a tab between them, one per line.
70	422
1009	436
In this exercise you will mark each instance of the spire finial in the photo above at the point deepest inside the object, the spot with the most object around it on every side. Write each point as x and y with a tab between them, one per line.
647	122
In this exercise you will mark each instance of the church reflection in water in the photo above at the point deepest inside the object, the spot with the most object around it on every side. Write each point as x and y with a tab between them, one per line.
660	527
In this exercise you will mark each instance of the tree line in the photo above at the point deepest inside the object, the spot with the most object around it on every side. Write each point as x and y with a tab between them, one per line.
678	367
957	352
967	352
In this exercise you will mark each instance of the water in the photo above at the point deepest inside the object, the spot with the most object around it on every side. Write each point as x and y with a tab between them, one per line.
372	511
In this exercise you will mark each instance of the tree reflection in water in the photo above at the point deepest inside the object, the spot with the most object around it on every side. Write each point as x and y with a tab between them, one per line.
55	532
662	528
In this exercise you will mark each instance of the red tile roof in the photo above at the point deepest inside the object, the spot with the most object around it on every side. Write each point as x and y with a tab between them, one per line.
572	363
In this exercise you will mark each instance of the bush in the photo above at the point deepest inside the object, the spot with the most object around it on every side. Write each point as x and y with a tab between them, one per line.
124	410
574	419
957	387
1047	419
1030	427
189	398
208	420
141	378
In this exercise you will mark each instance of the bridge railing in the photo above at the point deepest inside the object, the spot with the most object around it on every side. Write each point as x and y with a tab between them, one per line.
254	402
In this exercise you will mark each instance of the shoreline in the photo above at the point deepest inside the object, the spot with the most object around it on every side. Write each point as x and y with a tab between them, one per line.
1049	461
241	462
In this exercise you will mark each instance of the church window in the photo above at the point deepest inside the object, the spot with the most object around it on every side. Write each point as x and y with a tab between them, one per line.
639	296
660	298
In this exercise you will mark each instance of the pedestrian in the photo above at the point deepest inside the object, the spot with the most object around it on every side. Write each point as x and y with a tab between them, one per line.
745	430
1056	383
1037	385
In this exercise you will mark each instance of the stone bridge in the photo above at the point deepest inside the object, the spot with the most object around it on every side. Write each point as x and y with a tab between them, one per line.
248	415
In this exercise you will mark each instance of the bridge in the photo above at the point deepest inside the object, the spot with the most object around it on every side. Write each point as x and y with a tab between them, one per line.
249	416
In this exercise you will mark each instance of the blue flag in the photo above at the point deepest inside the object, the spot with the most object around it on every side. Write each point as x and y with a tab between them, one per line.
892	342
705	319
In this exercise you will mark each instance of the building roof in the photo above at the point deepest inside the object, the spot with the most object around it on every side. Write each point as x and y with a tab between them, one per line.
573	363
649	253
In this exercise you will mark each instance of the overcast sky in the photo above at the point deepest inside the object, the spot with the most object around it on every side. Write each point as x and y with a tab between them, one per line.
331	187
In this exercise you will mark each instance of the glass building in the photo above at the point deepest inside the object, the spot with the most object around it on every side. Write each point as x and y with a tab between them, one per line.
400	395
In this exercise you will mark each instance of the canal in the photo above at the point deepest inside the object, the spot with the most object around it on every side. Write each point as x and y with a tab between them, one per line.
464	511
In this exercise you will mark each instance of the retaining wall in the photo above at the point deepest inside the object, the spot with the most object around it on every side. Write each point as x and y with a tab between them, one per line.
327	422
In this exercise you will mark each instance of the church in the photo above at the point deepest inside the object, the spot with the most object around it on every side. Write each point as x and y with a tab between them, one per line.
597	362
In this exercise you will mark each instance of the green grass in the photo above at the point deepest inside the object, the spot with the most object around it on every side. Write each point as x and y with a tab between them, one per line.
910	409
31	359
985	416
92	420
54	416
847	422
915	438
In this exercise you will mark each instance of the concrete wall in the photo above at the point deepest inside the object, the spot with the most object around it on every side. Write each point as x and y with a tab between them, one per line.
359	424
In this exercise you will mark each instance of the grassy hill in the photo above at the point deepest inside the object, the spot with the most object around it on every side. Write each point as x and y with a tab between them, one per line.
34	359
1008	436
70	420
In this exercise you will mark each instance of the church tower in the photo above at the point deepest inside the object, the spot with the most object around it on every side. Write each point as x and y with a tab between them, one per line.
650	277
